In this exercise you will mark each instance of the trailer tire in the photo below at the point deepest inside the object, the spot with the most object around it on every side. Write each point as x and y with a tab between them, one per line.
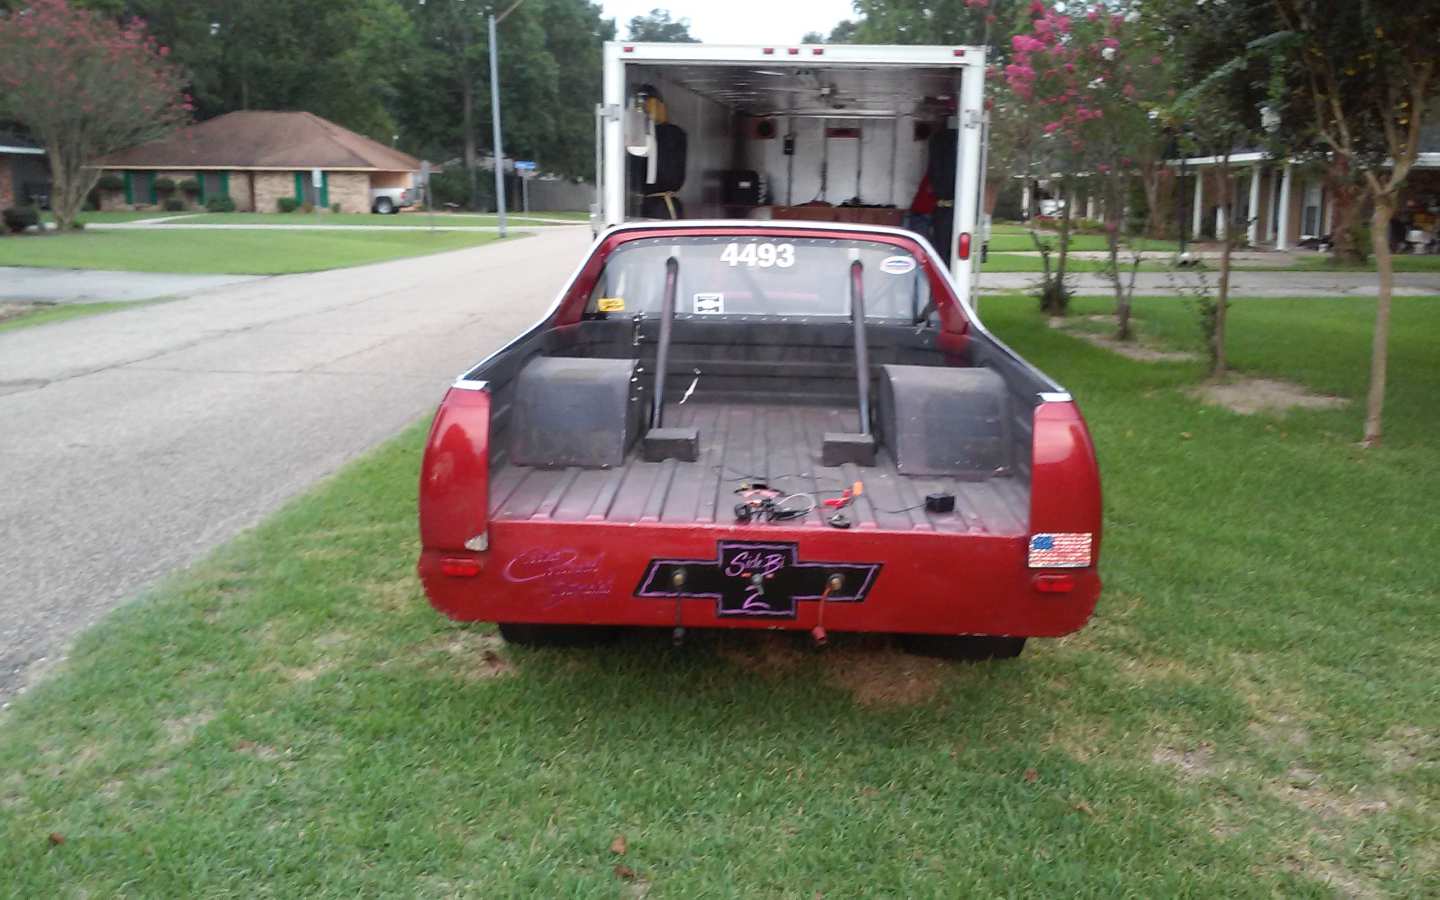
970	647
526	634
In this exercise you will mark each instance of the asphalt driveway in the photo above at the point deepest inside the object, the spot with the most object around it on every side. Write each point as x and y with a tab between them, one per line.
134	442
89	285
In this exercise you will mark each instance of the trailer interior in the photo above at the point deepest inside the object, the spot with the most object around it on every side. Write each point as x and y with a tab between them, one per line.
793	139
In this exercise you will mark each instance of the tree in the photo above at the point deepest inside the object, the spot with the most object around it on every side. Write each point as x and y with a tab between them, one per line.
985	22
1370	74
341	59
85	87
1045	73
843	32
1224	53
550	65
657	26
1125	82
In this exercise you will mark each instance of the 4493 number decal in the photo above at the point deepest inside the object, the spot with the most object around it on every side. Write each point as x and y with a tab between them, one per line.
780	256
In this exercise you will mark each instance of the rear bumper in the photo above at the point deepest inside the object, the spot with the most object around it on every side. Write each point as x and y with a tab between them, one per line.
616	574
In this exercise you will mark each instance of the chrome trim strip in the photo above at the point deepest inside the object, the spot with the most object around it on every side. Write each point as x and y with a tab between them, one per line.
463	384
1055	397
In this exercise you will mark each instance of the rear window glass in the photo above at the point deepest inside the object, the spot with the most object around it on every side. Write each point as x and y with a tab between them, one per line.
770	275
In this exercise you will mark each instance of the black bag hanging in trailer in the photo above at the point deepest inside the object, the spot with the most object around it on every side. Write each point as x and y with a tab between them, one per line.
666	161
670	151
944	151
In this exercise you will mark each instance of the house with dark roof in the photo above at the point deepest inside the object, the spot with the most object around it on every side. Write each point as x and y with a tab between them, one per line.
257	158
24	172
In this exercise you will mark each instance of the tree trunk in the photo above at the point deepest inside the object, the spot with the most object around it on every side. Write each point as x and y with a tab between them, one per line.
1123	331
1346	247
1222	298
70	182
467	120
1064	227
1380	342
1150	177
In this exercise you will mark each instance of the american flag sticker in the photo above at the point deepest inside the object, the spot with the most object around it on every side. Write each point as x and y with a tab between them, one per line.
1060	551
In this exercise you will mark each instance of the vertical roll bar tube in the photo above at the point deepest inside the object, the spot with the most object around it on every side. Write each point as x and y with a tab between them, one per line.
662	353
862	349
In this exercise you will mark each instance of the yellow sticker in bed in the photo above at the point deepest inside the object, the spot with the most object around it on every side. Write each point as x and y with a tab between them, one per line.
611	304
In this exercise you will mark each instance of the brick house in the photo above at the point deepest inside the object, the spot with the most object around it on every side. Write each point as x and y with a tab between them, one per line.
24	173
256	158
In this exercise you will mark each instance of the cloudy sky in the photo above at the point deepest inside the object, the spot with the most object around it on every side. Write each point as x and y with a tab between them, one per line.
739	21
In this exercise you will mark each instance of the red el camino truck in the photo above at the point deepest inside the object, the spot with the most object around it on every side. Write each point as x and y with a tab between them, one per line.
778	425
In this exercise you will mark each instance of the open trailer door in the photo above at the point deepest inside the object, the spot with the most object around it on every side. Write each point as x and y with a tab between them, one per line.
966	238
716	93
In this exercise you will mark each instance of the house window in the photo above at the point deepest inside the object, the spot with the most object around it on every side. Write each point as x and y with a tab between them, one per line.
142	188
214	184
307	192
1310	211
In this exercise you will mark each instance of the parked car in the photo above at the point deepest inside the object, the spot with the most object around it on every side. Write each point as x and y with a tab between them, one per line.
788	425
386	201
1051	207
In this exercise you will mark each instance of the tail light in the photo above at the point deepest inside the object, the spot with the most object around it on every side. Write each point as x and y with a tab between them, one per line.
964	247
1054	582
457	567
455	472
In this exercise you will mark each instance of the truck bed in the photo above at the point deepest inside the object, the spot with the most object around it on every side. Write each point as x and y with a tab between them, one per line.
777	443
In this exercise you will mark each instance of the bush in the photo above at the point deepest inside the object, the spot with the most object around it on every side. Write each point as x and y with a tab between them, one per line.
164	185
110	182
453	186
220	205
287	204
19	218
307	207
174	204
335	207
190	186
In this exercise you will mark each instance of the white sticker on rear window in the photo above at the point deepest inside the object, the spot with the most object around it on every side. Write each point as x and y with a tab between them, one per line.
709	304
897	265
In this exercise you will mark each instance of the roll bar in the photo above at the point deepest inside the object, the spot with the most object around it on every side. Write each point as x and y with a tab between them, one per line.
662	352
862	348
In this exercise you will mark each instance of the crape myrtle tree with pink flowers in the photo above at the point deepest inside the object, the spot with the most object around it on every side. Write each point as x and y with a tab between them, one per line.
1094	85
1041	71
85	86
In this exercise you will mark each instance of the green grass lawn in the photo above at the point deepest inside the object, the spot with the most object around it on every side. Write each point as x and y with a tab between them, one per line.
1009	241
1017	262
114	215
1404	262
46	313
1253	712
410	219
229	252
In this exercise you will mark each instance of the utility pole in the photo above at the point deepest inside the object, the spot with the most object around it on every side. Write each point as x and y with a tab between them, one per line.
495	114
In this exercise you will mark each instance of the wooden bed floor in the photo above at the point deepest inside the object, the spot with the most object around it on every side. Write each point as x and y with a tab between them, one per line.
748	442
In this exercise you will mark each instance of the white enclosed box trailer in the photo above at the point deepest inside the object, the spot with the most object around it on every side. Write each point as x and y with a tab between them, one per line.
802	131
